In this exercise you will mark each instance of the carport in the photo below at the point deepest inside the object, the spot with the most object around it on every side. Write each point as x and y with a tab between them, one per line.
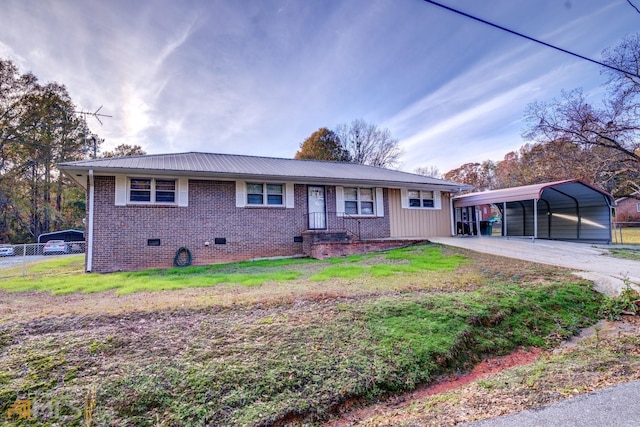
66	235
570	210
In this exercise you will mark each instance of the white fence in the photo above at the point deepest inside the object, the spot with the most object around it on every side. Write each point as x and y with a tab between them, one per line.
20	260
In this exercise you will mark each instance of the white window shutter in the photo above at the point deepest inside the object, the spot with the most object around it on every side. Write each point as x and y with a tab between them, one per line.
379	202
404	198
241	194
437	201
183	192
289	197
121	190
339	201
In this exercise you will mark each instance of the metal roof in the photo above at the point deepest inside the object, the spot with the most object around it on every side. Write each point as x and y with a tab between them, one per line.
588	194
212	165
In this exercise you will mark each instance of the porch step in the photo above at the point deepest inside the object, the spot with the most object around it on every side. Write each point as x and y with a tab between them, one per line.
315	236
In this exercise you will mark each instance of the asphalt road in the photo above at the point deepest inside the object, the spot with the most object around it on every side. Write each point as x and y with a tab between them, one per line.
616	406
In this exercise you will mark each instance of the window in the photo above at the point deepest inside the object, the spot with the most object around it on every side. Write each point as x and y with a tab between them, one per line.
421	199
638	207
265	194
358	201
151	190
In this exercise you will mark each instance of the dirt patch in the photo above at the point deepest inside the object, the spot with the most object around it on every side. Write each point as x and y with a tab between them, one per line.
486	367
605	354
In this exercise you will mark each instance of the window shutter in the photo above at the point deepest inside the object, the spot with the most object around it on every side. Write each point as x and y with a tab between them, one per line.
339	201
437	202
121	190
289	197
404	198
379	202
183	192
241	194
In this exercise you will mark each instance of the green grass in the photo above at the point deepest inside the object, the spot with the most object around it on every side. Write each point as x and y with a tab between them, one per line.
633	254
294	359
249	372
64	275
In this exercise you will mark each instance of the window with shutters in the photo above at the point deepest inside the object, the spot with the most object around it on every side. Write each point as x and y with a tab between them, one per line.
260	193
421	199
152	190
359	201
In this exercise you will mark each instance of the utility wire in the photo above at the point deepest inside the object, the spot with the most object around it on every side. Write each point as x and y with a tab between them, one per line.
500	27
633	6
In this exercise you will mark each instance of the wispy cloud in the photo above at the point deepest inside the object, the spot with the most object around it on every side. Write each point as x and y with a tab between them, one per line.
259	77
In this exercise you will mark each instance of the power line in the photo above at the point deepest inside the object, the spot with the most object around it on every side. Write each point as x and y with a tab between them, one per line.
500	27
633	6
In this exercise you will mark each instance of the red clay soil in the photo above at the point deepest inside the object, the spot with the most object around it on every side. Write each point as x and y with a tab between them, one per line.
487	367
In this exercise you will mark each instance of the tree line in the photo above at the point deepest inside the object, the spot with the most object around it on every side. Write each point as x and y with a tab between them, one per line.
575	137
40	126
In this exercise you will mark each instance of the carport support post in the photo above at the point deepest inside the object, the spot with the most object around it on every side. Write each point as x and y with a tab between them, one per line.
535	219
504	219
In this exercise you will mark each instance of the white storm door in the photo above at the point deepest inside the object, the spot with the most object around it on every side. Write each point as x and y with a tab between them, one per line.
317	207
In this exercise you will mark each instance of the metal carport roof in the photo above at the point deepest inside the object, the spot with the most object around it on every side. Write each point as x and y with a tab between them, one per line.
562	210
572	187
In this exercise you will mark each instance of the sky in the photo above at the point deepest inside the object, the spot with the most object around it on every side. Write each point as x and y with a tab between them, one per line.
257	77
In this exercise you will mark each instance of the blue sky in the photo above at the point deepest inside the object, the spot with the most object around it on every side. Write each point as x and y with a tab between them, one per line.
259	76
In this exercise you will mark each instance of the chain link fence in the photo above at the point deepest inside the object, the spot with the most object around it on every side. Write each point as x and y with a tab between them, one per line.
625	233
25	260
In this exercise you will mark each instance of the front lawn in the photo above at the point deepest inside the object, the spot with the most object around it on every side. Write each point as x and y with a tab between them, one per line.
272	341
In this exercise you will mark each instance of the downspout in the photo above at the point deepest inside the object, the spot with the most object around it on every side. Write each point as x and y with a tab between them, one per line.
90	225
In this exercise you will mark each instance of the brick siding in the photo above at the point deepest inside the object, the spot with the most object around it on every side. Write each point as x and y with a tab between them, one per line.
322	250
121	233
627	210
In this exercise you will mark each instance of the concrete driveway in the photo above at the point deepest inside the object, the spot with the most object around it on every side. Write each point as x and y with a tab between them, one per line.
588	261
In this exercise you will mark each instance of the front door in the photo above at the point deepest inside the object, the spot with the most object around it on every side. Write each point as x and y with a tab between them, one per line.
317	207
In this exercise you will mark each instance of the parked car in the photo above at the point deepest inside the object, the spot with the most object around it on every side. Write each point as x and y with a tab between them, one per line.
76	247
55	247
7	250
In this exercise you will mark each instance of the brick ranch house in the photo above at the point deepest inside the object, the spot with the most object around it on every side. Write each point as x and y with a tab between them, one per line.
142	209
628	208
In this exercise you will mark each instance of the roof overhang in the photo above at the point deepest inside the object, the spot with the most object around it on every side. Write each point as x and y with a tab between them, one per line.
570	188
79	176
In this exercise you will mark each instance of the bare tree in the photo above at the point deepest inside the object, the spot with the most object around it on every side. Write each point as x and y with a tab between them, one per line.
369	145
430	170
614	126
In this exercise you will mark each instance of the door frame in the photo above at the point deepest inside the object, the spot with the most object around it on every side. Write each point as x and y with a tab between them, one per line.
324	212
